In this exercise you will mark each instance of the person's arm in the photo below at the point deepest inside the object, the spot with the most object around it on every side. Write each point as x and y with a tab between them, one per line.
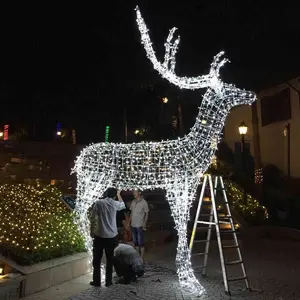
146	212
130	212
93	220
120	204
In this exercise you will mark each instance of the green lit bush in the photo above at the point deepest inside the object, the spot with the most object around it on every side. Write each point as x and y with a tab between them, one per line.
252	212
35	225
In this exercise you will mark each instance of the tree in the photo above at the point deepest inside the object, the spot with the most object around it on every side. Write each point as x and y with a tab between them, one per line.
257	156
19	135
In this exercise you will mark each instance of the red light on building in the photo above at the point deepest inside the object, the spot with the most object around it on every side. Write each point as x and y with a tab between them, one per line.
5	137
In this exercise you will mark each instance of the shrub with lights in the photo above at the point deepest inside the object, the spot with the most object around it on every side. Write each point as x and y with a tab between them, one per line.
252	212
35	224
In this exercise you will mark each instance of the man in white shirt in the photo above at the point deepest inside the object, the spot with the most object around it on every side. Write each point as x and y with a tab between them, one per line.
138	219
127	263
105	233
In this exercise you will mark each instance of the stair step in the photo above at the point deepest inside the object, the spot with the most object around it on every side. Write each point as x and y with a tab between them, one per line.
228	231
234	262
224	217
237	278
224	222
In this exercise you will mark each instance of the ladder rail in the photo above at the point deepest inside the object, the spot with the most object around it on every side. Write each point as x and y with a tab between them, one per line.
213	200
197	213
207	244
213	187
234	233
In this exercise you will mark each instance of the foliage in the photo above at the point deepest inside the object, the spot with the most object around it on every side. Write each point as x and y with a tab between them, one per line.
35	224
252	212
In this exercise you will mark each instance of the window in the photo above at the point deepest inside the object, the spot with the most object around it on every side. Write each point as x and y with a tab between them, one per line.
276	108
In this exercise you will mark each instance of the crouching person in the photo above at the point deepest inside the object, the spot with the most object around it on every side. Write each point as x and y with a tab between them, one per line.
127	263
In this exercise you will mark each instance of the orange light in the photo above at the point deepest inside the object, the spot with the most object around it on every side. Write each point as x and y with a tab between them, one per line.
6	132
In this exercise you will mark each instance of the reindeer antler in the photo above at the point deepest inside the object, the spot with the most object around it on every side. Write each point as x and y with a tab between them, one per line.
171	50
167	68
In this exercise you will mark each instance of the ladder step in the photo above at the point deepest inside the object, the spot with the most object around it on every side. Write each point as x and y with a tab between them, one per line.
237	278
199	254
201	241
206	222
200	267
230	246
234	262
206	215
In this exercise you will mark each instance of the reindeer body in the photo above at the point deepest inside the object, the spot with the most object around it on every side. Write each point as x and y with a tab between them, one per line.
172	165
154	164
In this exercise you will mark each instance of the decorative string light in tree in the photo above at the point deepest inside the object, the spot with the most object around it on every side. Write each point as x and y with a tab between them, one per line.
172	165
258	176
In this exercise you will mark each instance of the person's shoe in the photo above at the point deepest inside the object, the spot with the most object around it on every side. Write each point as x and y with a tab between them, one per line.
107	284
95	284
120	280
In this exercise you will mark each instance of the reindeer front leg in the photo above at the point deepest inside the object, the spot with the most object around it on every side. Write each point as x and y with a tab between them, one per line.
180	204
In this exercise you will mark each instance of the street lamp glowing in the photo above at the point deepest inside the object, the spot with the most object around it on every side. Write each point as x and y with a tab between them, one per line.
243	128
1	134
58	133
137	131
165	100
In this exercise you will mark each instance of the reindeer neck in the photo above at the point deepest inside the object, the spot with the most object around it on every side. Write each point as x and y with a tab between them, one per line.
209	122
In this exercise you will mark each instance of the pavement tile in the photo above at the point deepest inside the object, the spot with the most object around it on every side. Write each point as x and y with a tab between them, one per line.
273	271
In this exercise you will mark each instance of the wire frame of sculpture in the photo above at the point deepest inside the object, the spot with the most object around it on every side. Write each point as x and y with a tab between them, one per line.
173	165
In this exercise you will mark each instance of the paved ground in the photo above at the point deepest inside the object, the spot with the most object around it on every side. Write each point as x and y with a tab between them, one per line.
273	268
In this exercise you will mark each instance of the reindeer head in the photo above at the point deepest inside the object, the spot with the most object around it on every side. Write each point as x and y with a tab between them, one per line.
232	96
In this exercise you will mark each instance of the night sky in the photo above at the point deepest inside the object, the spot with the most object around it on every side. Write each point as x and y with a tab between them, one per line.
82	66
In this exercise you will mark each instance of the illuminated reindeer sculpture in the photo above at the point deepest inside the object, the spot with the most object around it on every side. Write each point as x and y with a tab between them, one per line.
173	165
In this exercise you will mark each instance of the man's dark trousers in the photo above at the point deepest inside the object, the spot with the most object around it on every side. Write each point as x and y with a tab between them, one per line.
108	245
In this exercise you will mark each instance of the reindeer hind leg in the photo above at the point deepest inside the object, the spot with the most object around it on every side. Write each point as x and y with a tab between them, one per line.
179	204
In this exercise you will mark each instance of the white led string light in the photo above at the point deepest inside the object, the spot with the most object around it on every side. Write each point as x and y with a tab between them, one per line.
173	165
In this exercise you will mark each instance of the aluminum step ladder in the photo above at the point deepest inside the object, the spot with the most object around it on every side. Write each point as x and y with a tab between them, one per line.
215	220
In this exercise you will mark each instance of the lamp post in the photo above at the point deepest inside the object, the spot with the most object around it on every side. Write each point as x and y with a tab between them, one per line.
287	133
243	128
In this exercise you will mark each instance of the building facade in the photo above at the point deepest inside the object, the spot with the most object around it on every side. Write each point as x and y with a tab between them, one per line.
278	130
